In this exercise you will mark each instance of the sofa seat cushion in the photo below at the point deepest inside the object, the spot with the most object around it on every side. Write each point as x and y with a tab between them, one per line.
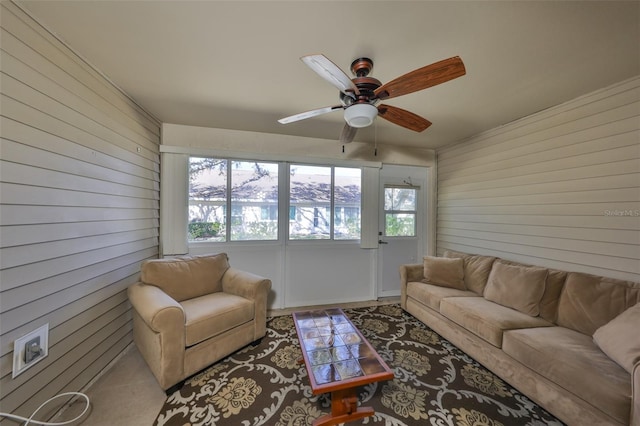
573	361
431	294
486	319
213	314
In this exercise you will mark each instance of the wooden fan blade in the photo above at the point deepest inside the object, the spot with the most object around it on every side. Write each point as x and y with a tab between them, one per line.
348	133
309	114
403	118
330	72
422	78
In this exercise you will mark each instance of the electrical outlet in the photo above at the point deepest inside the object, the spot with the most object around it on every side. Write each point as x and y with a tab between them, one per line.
30	349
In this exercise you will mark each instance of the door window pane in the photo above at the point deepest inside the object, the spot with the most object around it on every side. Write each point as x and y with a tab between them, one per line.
400	211
400	199
400	225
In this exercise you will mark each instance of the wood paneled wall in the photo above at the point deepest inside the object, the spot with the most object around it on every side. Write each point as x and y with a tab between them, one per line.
560	188
79	210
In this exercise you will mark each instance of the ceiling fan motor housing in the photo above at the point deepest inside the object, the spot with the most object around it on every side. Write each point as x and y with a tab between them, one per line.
361	111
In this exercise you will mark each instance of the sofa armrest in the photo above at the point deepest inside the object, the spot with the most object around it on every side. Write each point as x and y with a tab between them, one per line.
634	419
156	308
409	272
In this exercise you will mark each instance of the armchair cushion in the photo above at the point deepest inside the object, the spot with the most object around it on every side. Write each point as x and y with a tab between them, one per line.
188	277
213	314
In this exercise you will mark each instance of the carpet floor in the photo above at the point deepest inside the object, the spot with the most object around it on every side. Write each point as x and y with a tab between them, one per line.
435	383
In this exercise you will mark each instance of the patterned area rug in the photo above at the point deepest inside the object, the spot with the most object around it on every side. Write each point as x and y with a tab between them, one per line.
435	383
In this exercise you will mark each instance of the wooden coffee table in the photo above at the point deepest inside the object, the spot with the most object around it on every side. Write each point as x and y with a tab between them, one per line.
339	360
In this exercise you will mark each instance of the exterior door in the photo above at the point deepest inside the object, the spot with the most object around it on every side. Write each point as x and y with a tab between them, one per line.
400	227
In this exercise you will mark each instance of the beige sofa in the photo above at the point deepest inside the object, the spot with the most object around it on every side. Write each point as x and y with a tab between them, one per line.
191	312
569	341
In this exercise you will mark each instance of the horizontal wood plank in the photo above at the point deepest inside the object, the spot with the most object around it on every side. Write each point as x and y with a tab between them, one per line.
79	212
560	188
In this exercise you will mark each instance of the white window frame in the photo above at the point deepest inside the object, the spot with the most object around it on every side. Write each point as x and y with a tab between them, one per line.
174	198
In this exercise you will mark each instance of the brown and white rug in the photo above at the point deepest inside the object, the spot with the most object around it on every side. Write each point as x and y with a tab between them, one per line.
435	383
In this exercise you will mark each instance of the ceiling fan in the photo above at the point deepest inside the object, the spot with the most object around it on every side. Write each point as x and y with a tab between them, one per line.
359	96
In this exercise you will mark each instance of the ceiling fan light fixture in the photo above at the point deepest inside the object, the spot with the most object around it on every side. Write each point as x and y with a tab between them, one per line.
360	115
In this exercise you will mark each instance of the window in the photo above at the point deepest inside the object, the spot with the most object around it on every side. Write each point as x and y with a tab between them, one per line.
310	199
400	211
232	200
248	189
324	202
347	203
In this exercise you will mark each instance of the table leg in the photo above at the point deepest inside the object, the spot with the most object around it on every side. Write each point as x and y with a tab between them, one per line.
344	408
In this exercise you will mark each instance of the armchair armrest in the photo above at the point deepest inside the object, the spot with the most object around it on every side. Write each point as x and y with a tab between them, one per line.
253	287
159	333
245	284
634	419
156	308
409	272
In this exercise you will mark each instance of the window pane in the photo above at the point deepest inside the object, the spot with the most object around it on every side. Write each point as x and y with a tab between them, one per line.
347	202
254	201
403	199
310	202
207	199
400	225
400	211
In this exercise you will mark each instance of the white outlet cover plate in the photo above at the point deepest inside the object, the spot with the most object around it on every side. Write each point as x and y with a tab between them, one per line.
19	366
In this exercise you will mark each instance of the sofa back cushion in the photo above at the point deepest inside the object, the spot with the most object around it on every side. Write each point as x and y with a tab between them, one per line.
187	277
551	296
476	269
619	338
444	272
552	289
516	287
588	302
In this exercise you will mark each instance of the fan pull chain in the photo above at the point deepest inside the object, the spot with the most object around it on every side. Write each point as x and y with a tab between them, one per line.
375	139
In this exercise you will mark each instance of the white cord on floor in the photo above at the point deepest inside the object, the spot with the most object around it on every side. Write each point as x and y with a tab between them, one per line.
36	422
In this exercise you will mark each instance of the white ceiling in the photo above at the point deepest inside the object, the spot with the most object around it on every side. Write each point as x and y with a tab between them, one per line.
235	64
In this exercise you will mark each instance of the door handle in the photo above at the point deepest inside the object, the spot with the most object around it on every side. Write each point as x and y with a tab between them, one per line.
382	242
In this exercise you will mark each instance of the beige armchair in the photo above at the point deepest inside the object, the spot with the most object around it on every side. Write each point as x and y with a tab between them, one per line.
191	312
